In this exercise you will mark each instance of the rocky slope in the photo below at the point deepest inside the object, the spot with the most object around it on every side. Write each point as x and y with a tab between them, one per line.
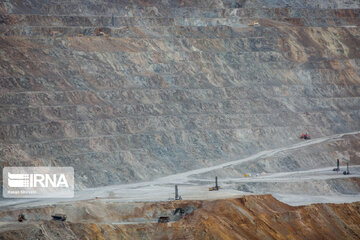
251	217
125	91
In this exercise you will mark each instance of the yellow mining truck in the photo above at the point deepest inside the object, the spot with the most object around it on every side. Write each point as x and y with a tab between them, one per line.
254	23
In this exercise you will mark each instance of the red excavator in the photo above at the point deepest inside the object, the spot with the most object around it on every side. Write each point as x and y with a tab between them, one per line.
305	136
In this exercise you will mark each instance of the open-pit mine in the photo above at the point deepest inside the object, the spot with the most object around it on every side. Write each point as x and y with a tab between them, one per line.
183	119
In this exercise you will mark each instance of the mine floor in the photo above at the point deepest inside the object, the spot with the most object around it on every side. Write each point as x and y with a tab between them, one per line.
192	188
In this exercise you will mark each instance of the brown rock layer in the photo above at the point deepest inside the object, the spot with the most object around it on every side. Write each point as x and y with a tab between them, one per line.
251	217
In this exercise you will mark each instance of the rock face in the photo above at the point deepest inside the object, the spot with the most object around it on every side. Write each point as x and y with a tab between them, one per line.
251	217
125	91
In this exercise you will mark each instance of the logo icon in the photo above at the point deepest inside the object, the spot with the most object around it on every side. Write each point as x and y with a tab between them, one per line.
18	180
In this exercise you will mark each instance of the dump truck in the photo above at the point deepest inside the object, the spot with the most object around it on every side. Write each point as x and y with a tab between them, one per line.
181	211
163	220
254	23
21	217
101	32
59	217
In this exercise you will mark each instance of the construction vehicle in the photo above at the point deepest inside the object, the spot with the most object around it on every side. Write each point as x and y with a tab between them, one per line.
101	32
177	196
180	211
54	33
21	217
163	220
305	136
59	217
217	187
347	172
254	23
338	166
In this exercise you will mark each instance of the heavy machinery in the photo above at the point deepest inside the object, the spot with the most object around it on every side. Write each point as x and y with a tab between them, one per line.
21	217
217	187
254	23
338	165
305	136
59	217
180	211
100	32
163	220
347	172
177	197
